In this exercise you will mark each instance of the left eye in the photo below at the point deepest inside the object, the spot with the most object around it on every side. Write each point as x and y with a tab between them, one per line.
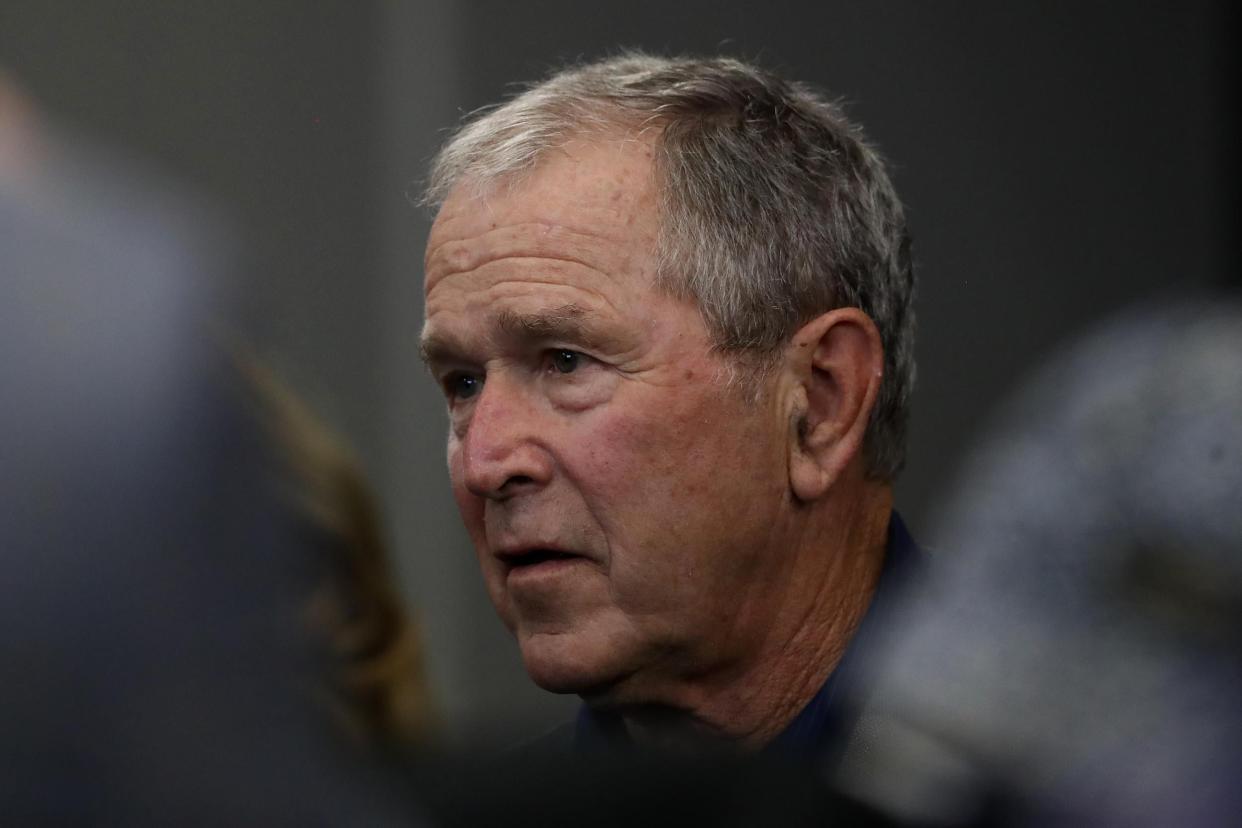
565	361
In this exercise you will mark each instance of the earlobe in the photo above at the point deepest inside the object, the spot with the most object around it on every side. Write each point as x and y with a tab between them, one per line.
836	364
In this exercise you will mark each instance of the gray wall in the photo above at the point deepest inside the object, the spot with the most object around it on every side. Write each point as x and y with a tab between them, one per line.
1058	160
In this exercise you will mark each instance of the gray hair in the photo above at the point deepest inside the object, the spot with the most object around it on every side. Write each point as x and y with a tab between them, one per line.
774	208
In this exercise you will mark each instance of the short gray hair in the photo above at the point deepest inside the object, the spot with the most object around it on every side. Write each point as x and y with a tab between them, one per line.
774	207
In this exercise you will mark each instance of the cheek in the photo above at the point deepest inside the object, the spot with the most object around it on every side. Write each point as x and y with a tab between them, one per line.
673	455
680	491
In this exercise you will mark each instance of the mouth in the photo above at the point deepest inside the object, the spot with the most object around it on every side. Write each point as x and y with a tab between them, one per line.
533	558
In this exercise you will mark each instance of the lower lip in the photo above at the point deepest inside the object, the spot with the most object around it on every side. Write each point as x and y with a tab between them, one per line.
543	570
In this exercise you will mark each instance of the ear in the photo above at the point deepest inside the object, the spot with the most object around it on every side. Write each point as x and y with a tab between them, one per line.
836	363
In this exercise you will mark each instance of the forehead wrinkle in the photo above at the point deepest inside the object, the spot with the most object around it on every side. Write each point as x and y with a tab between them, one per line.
477	302
537	240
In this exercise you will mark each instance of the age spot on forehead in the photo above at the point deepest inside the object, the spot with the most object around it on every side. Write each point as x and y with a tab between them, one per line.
457	257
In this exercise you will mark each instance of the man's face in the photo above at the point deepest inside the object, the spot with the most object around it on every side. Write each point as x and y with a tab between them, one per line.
624	503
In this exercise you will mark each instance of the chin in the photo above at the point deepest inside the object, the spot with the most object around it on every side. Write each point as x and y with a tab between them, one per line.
562	664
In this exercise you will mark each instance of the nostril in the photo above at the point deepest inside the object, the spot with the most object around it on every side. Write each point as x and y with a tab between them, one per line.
513	485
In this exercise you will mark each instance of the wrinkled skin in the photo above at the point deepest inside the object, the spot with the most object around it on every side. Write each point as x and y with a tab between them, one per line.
590	415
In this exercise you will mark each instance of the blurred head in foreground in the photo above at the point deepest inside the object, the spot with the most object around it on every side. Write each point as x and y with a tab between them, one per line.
1077	655
155	654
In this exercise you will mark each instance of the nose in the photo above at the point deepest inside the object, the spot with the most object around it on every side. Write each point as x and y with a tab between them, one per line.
503	452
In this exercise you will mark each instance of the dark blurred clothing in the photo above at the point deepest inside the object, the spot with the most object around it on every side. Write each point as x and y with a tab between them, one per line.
629	789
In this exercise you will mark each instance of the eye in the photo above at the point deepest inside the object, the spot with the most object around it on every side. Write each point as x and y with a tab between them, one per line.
566	361
462	386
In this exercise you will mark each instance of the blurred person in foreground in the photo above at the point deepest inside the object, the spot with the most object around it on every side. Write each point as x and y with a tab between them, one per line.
377	687
668	302
157	665
1075	657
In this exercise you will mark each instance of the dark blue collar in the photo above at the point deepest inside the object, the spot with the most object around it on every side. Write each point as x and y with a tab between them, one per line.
827	717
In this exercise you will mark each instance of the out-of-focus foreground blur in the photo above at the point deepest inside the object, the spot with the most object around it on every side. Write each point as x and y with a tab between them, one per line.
156	665
1076	653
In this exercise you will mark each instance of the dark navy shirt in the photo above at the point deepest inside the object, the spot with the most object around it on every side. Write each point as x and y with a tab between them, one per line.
827	718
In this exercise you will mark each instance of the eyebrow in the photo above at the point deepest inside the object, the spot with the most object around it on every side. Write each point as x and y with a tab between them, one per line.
566	322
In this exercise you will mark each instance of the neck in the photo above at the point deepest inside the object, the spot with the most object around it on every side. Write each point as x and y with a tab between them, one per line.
820	596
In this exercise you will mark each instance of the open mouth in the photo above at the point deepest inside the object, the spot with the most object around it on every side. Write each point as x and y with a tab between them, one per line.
528	558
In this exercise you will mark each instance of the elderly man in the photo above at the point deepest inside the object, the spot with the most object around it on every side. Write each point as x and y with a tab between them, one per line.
668	302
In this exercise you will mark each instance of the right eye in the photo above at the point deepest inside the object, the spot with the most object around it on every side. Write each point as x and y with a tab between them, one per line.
459	386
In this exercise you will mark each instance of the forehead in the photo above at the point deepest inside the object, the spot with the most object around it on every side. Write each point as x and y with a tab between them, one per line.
590	203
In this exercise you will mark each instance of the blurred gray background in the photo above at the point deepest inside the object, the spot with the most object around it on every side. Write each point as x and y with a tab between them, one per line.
1058	160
